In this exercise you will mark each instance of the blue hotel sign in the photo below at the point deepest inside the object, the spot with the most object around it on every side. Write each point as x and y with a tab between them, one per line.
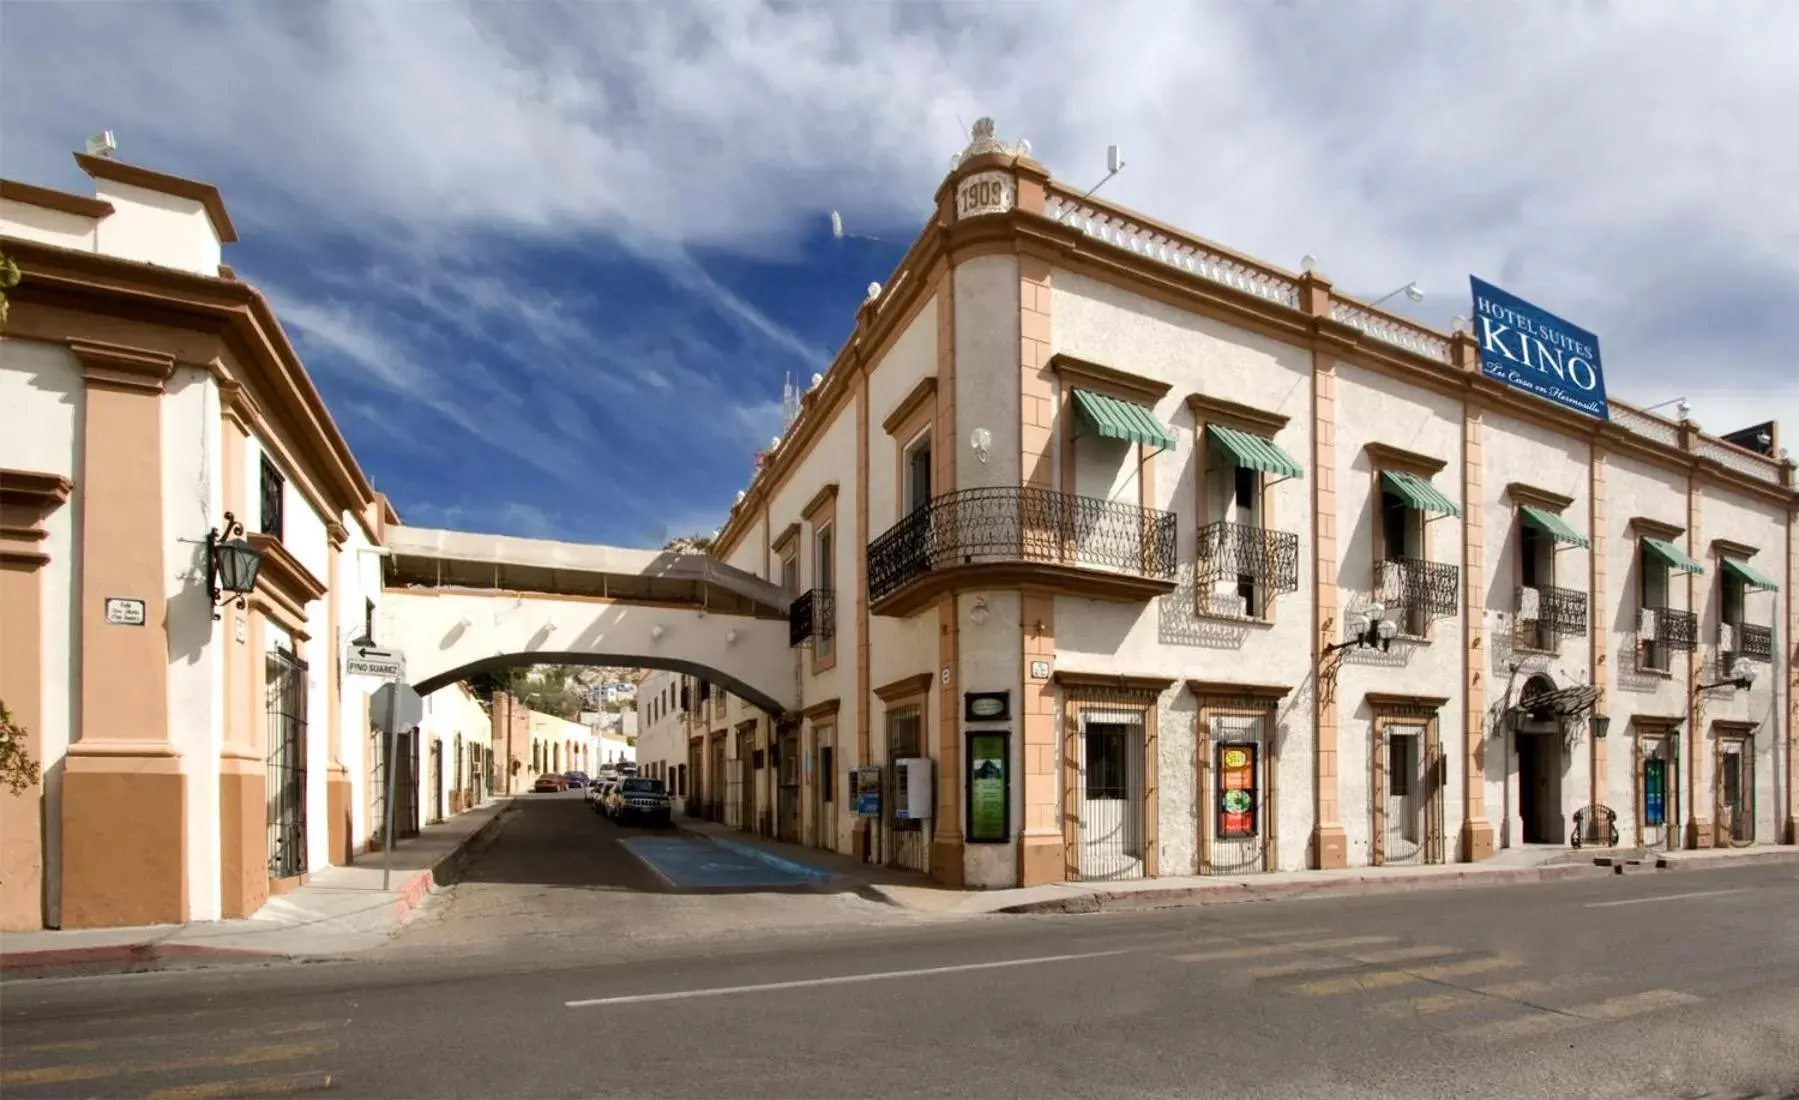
1537	352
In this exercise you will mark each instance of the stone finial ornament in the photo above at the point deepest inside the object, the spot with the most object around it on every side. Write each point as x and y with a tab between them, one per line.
981	140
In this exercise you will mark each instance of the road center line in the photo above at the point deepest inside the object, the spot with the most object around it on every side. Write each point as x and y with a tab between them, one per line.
843	979
1666	897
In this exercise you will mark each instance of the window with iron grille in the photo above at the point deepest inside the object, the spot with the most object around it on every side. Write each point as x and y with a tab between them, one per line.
273	485
285	677
905	741
1108	777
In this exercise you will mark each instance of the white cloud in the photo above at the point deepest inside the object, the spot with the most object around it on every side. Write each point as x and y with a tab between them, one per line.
1619	163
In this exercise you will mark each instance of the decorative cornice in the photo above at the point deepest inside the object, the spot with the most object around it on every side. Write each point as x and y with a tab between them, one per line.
338	533
1108	380
1726	548
922	394
905	688
1660	722
1387	457
34	489
785	539
1655	528
116	366
1542	498
826	709
1136	685
1384	702
1214	689
1231	414
33	195
283	574
824	498
104	168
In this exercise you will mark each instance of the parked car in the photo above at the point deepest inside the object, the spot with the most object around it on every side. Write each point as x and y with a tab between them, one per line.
549	784
635	799
596	794
576	779
627	768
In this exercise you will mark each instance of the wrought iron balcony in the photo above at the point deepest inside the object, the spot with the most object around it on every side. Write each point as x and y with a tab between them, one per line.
1424	590
1756	643
1238	552
1673	628
1022	534
812	617
1546	614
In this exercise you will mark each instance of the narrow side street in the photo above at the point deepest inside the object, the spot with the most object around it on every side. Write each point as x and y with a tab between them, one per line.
1671	985
561	878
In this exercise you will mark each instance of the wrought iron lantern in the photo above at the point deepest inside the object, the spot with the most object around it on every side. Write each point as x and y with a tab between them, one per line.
1371	629
231	564
1742	675
1599	725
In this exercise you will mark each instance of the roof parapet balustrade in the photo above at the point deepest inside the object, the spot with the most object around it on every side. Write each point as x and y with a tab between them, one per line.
991	537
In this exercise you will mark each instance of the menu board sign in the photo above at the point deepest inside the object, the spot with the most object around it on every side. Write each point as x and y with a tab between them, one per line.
1237	801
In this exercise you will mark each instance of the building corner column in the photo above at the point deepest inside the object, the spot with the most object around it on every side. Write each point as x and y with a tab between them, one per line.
1598	600
1699	822
1478	836
1329	843
124	794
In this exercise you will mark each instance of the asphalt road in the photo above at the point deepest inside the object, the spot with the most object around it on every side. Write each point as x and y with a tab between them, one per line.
1678	984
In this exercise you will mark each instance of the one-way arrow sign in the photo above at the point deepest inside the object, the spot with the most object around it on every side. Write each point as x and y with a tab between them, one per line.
385	664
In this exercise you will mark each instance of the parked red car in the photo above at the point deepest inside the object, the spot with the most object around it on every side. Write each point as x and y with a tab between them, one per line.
550	783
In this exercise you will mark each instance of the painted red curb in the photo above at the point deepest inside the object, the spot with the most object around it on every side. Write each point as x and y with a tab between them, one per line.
131	953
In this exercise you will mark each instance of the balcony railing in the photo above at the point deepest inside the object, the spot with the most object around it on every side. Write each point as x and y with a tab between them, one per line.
1672	628
1239	553
1021	525
1546	614
812	617
1424	590
1756	643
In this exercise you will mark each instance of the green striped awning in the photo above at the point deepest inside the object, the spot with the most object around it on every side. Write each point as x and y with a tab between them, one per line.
1117	419
1254	452
1742	572
1552	525
1671	555
1418	493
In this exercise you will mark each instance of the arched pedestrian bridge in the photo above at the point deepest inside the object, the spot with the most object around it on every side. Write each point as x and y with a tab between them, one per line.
458	603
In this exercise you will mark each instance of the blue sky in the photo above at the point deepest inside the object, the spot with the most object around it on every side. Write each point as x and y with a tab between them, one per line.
549	264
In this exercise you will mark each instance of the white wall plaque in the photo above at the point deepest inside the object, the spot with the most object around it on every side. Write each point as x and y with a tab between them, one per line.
986	193
124	611
1039	670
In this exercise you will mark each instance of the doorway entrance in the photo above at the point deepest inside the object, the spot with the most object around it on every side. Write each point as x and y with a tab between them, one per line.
1540	788
787	772
824	783
1110	787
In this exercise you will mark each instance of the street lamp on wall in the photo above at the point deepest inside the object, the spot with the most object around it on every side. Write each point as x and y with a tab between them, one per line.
1742	675
1369	629
231	564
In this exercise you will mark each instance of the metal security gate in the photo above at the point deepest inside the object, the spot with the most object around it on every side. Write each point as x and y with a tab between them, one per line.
746	784
1736	793
715	782
435	779
1239	823
286	677
787	769
1408	824
905	839
1110	839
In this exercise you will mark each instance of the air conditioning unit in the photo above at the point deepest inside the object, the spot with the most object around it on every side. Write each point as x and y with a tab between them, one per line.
1530	604
1646	622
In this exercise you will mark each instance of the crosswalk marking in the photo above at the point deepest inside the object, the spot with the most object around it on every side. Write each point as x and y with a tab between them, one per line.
1452	1000
1389	979
1303	966
1404	954
1537	987
1633	1004
1622	1007
258	1086
1263	950
1433	1002
60	1075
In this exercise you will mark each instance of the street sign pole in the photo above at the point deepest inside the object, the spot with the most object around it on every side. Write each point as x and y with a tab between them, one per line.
393	751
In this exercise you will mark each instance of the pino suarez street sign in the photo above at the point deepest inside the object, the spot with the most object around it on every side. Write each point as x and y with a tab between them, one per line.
383	664
1537	352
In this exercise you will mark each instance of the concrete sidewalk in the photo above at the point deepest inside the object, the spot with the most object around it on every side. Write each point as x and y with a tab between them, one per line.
339	911
918	892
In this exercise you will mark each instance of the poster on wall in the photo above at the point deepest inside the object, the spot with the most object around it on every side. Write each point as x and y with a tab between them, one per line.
1655	793
867	781
1236	790
989	788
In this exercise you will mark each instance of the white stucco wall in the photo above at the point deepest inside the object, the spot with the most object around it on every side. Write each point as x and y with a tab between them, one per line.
912	358
151	227
192	502
1104	324
1374	408
1514	450
1724	514
987	370
358	579
41	429
450	713
55	227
